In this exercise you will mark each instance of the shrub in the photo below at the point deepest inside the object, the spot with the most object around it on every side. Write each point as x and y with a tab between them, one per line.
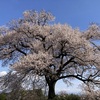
2	96
67	97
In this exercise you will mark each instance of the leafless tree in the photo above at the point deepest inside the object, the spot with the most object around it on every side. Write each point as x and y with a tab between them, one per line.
32	46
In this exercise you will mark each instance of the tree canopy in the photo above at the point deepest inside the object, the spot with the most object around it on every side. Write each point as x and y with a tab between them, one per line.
37	49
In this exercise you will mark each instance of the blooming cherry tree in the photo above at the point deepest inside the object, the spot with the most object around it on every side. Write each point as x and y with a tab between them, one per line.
34	46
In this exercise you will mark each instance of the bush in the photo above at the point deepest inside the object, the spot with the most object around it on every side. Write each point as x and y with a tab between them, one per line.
37	95
26	95
67	97
2	96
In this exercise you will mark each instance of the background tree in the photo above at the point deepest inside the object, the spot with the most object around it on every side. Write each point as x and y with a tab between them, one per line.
32	46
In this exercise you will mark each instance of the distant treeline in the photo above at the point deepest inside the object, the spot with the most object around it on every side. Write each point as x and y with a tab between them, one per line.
38	95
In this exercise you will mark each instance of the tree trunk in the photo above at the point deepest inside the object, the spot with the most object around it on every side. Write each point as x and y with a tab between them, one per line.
51	92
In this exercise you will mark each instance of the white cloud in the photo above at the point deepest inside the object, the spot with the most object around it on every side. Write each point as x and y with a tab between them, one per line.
3	73
61	86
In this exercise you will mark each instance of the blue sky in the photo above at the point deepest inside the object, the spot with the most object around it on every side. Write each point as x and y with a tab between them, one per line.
77	13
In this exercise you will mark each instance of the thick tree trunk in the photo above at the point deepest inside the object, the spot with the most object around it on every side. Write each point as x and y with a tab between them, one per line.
51	92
